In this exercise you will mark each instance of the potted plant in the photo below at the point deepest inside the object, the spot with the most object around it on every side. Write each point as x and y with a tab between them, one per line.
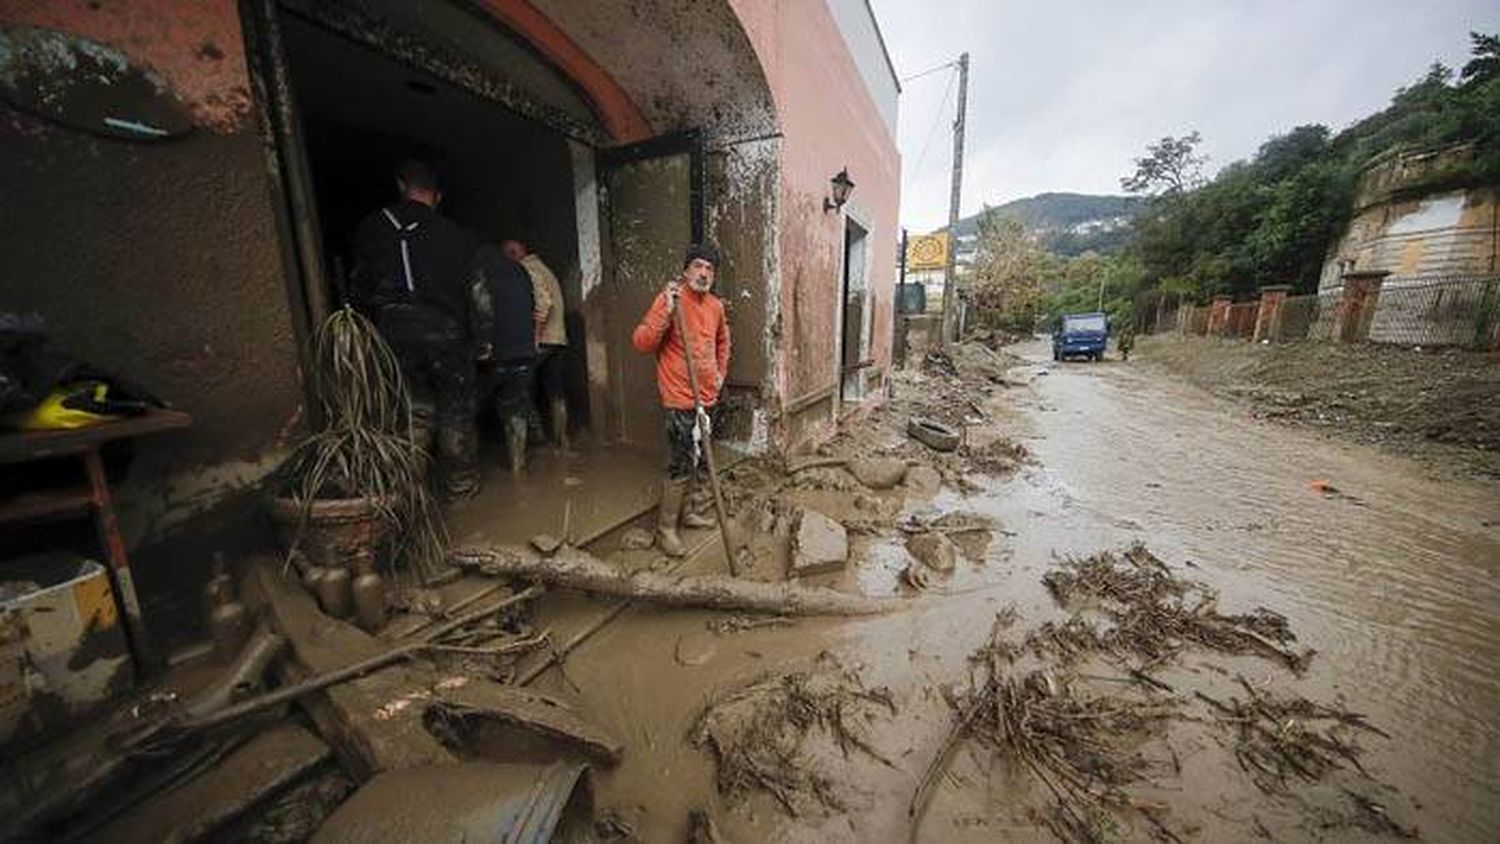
357	483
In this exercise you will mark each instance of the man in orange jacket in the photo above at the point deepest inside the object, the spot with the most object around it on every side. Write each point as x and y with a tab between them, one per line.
708	331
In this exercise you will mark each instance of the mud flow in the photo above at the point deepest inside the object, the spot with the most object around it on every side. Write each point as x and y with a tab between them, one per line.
1019	600
1315	661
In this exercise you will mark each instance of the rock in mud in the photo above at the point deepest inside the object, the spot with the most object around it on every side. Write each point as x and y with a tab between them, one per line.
934	550
923	479
636	539
819	544
878	472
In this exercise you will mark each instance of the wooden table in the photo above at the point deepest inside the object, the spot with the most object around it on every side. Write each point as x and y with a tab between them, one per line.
92	498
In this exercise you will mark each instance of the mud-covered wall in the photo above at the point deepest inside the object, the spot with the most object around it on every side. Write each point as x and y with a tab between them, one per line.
742	214
1401	227
160	262
829	121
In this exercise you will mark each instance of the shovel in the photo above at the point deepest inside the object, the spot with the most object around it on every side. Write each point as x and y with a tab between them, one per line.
707	446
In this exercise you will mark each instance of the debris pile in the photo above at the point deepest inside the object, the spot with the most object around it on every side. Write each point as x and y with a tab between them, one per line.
1156	615
1278	738
760	734
1087	742
999	457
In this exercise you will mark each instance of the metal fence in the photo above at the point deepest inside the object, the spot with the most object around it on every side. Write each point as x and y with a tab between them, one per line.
1461	311
1310	317
1437	311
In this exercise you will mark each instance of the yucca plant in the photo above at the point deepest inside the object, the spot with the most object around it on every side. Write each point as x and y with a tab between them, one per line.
364	447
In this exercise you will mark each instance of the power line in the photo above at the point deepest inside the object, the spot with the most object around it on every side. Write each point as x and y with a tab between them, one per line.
928	71
931	132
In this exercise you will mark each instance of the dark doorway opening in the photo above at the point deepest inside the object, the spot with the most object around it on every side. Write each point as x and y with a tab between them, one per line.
855	341
362	112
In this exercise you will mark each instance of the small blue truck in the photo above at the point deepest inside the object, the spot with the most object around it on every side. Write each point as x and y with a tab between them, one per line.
1080	334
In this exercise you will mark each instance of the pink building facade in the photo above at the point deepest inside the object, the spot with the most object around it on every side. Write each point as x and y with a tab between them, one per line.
608	134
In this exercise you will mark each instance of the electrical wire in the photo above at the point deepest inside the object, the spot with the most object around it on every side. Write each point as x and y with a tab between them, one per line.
928	71
931	132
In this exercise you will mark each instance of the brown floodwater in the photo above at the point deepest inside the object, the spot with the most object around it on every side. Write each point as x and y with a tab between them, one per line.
1393	580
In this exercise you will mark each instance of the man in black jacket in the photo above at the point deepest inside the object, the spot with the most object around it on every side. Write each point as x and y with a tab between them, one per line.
503	305
413	270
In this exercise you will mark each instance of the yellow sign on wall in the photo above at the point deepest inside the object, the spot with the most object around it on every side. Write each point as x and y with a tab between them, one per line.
927	252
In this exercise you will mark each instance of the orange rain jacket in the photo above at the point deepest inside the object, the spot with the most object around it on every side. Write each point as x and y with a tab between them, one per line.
703	316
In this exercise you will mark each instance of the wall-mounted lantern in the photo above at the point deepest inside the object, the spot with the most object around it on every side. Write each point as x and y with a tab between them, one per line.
841	185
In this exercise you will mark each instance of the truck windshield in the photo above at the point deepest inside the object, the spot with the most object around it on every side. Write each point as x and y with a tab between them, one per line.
1093	322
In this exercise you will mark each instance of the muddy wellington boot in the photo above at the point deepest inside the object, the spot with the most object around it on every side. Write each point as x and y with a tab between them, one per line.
667	539
698	509
515	445
560	426
458	449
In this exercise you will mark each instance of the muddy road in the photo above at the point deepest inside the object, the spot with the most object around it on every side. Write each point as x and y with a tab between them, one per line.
1389	574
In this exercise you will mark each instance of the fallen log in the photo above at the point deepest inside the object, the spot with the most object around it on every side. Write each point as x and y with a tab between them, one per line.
571	568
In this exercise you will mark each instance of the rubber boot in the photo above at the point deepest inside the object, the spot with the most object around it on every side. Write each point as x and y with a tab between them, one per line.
667	538
423	425
560	425
458	449
697	510
515	445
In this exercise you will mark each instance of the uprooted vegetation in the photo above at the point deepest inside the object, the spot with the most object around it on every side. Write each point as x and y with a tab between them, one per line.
1089	739
762	734
1281	738
1156	615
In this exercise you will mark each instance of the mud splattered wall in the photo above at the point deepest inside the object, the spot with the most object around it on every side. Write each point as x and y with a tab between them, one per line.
829	121
160	262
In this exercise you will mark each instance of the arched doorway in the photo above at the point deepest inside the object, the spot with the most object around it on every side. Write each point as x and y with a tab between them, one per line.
607	135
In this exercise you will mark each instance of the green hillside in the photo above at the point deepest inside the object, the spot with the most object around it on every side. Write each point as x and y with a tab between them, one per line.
1067	223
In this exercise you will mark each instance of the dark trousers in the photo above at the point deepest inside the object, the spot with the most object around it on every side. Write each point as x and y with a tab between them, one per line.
510	383
680	455
437	362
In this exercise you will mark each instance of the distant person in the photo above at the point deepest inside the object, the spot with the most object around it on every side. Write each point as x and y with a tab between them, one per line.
550	390
411	276
708	333
1126	339
504	309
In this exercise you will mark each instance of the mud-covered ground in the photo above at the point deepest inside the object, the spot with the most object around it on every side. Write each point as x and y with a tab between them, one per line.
1441	406
1123	608
823	729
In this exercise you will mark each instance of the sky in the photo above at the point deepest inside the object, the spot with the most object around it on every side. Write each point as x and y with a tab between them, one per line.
1064	95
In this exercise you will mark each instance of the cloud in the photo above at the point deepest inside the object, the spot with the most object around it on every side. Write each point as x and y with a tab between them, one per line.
1062	96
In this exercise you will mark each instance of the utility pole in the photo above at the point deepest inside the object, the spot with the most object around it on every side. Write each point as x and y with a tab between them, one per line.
950	291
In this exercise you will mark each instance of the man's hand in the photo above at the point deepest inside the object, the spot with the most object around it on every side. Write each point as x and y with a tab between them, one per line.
674	287
484	352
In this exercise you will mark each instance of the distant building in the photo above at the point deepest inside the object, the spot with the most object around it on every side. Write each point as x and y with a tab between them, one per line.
1399	228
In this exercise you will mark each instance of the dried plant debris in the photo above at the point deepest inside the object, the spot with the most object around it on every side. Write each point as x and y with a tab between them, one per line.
998	457
1084	747
1280	739
740	623
761	735
1155	615
1088	739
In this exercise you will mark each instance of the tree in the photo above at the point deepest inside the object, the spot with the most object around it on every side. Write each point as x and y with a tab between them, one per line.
1485	64
1009	270
1169	168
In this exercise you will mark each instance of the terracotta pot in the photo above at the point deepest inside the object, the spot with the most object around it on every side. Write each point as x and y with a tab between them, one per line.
338	531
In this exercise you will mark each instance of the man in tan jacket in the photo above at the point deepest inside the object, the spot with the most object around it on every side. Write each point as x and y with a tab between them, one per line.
548	310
